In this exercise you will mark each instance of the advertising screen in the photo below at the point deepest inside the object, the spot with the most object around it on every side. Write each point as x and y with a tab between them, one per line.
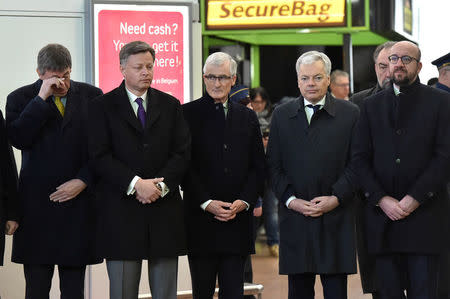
164	27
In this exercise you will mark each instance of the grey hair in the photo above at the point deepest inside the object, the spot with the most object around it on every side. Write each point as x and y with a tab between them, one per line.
338	73
53	57
311	57
387	45
133	48
218	59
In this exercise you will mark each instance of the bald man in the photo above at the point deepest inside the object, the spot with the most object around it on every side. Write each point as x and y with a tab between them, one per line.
402	159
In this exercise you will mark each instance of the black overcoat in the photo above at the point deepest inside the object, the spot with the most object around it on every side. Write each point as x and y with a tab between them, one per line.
54	151
8	185
403	147
121	149
227	164
310	161
366	261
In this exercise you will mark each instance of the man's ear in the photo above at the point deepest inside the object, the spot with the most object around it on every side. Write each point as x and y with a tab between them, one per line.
39	74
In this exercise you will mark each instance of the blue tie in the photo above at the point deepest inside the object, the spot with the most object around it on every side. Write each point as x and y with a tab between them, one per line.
141	112
314	107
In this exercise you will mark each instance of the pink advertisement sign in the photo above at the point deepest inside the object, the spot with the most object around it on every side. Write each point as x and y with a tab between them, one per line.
161	28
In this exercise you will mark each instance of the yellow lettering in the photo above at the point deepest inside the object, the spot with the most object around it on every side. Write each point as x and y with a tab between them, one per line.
297	9
247	11
311	10
284	10
225	10
324	8
237	11
272	9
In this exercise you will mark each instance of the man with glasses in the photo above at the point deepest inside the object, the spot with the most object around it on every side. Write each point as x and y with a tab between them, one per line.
366	261
401	156
308	151
223	182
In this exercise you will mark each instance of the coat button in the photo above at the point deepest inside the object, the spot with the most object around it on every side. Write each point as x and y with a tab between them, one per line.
430	194
367	194
217	107
225	147
397	160
145	145
399	132
225	170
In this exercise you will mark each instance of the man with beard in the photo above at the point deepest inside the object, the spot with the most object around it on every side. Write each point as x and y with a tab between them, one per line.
366	260
380	58
401	156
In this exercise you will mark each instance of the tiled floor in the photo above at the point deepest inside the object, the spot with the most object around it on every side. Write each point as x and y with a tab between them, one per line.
265	272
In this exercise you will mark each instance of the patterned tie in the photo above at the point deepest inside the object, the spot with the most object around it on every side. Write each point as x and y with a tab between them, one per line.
314	107
141	111
59	105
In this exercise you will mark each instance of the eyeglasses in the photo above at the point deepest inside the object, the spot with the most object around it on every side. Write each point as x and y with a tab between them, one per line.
212	78
405	59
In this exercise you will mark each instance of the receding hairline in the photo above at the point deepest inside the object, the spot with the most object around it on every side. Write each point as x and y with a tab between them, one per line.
409	45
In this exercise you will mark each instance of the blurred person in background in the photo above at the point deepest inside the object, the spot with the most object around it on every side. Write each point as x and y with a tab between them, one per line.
260	101
340	84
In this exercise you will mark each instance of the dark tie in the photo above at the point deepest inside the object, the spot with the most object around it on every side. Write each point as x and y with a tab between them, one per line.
141	111
314	107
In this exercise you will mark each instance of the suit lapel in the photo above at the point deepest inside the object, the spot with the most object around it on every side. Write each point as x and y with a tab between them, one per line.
124	108
153	108
72	103
297	118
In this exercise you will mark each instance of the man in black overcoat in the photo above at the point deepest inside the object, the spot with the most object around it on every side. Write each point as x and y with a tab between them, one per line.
402	160
309	151
224	180
366	261
8	189
140	145
47	122
443	66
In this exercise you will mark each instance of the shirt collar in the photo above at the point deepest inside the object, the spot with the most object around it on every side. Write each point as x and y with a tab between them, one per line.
396	89
132	97
321	102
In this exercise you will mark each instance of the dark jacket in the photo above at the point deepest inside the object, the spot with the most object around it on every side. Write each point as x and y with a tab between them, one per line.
309	161
54	151
359	97
366	261
8	185
227	164
403	147
121	149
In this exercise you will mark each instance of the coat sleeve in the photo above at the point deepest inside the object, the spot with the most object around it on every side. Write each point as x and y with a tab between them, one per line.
179	155
8	175
101	151
345	187
24	124
436	175
255	180
281	185
362	156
